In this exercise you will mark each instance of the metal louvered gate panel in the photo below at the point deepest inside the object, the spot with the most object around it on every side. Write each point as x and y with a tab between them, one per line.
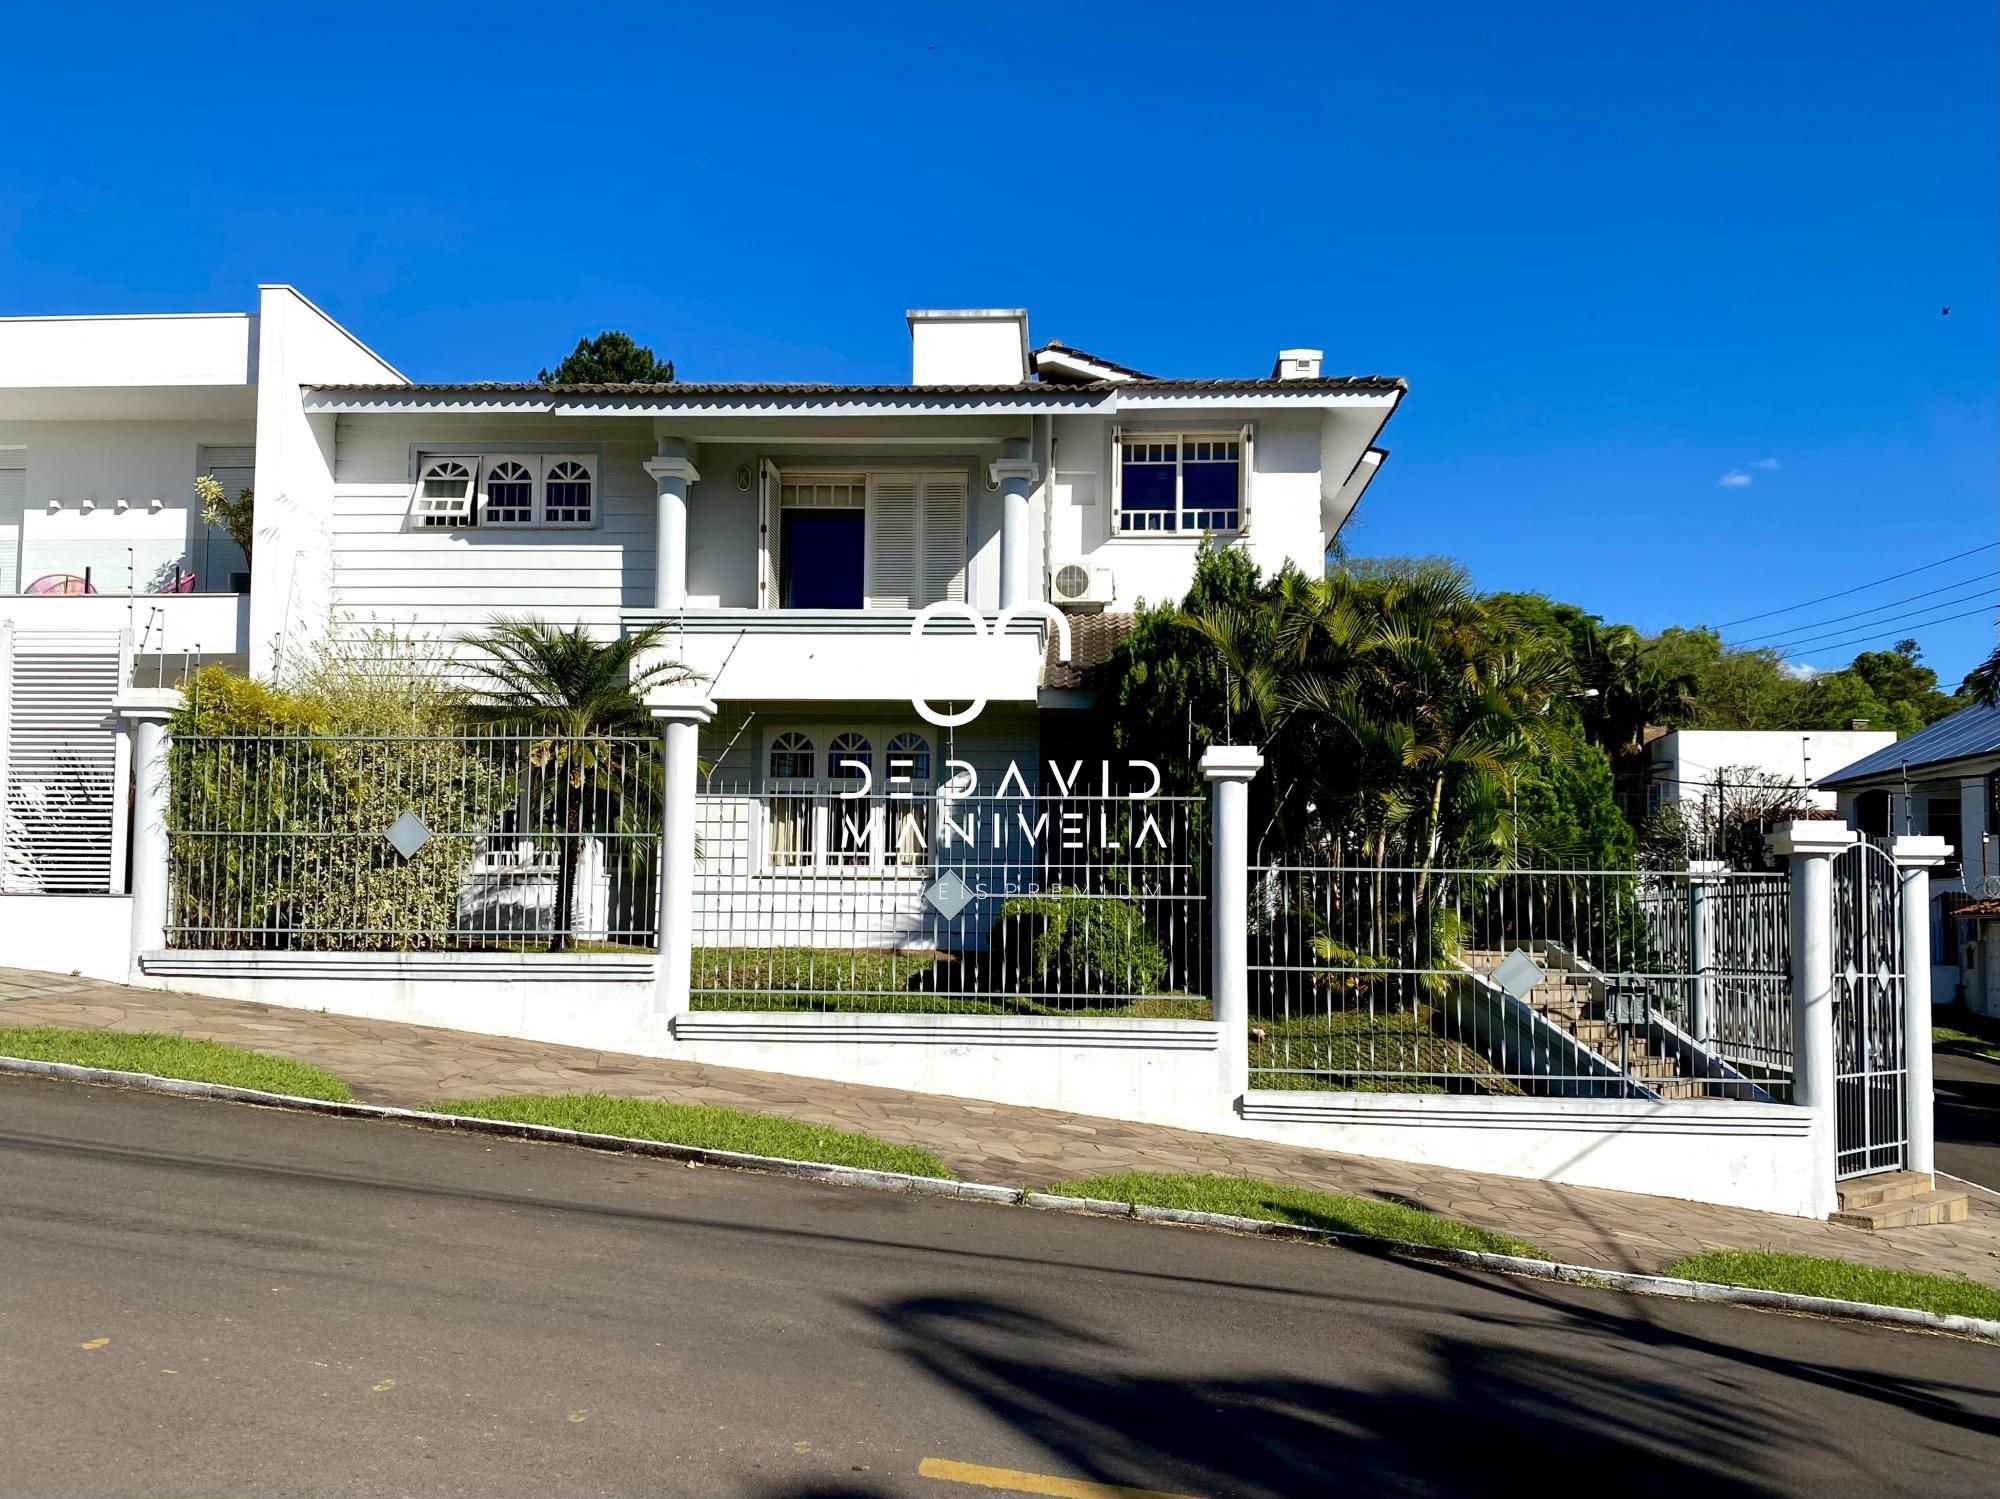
1871	1066
59	761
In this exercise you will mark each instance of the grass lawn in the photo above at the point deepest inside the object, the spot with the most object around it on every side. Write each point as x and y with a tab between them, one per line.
1974	1035
1813	1275
1326	1050
887	981
1287	1204
170	1056
700	1125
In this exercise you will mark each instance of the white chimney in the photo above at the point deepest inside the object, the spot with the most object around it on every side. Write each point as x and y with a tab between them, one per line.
1297	364
968	346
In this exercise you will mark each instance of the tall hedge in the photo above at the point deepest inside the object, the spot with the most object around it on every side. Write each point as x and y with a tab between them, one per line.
279	810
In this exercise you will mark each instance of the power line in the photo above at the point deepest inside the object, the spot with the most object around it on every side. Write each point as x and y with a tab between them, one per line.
1982	592
1858	613
1891	634
1861	587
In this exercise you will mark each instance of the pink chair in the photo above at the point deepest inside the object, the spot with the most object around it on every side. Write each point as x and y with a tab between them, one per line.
60	583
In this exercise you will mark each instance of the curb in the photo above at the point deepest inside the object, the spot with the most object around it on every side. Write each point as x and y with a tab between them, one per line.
929	1186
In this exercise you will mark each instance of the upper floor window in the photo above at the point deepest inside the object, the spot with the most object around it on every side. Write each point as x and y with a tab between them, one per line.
506	489
1172	483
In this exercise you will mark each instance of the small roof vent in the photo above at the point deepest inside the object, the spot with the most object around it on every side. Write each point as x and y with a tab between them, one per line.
1298	364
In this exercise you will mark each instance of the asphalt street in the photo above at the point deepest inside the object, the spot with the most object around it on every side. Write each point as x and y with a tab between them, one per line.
201	1298
1967	1118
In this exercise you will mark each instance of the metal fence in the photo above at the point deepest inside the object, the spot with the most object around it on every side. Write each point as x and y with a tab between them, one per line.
484	840
1542	982
809	897
1733	932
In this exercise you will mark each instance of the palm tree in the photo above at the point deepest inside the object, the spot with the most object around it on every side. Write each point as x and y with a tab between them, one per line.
1982	683
580	700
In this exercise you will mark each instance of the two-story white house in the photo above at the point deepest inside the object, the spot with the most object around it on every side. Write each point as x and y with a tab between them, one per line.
787	535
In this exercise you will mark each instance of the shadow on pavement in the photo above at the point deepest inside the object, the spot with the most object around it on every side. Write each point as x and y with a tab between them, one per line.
1467	1417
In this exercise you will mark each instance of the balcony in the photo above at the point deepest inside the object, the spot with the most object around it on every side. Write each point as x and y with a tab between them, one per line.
845	655
178	586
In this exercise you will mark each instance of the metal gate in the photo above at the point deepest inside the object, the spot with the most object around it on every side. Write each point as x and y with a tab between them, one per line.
1871	1066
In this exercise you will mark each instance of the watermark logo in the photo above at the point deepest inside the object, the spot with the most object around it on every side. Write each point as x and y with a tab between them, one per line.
972	616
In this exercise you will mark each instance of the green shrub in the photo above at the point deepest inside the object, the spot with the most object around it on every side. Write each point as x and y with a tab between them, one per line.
280	801
1063	940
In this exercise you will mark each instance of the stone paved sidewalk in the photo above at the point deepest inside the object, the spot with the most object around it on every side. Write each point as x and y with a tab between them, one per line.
413	1065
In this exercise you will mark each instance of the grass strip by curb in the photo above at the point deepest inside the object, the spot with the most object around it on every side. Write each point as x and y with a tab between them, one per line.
171	1056
1965	1043
1271	1202
1840	1280
703	1126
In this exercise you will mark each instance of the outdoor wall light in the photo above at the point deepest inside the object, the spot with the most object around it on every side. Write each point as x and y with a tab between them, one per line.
87	506
742	476
156	505
54	505
121	507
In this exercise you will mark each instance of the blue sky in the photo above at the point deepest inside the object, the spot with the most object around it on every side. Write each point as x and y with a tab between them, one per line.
1619	252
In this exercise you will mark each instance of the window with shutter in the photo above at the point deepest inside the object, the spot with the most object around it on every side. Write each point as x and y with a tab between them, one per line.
445	492
895	518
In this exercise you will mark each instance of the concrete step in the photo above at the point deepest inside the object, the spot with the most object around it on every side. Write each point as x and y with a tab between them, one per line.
1920	1211
1884	1186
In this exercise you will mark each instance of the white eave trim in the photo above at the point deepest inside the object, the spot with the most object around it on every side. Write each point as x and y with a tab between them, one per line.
1132	397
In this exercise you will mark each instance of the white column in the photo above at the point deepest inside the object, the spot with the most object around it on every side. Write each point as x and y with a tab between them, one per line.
1811	847
1915	859
681	709
1972	831
146	711
672	473
1705	878
1230	769
1020	559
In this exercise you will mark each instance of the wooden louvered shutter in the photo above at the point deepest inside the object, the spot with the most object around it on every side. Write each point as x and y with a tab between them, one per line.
943	545
60	764
13	506
770	515
895	510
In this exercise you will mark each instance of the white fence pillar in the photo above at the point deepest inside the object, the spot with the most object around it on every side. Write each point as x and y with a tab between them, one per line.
1230	769
1811	846
1020	556
1915	858
681	709
672	473
146	711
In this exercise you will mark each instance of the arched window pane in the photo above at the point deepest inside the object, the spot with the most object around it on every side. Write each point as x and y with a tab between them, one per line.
910	755
791	757
852	748
510	494
567	494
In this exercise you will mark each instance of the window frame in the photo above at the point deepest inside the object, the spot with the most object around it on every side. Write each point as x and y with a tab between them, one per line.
897	795
1181	529
477	514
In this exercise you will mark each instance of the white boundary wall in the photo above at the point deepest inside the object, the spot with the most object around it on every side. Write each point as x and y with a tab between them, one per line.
81	934
1161	1072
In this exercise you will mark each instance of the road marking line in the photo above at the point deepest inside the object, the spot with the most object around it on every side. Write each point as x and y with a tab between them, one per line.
1015	1482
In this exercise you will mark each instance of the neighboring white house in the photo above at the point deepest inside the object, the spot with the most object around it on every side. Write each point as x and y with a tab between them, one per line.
1684	766
787	534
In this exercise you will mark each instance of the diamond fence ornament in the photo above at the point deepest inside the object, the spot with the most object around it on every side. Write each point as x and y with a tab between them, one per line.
949	894
1518	973
407	834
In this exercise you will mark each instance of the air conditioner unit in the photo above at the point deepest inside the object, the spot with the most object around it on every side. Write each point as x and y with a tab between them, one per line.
1078	583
